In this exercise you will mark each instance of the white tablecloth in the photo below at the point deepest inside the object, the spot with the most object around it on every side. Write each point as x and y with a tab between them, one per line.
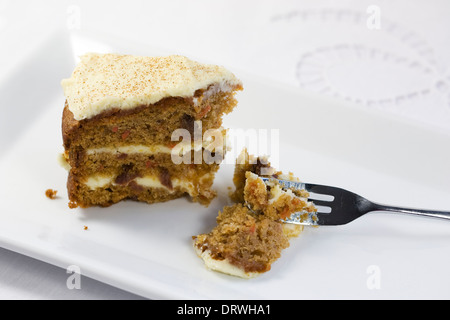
390	55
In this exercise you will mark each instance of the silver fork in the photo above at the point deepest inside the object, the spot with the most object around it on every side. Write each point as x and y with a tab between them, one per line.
336	206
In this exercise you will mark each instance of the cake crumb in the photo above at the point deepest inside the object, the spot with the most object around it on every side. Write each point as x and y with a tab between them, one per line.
85	228
51	194
73	205
250	235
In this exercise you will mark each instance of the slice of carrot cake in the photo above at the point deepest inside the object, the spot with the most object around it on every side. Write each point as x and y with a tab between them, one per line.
119	123
250	234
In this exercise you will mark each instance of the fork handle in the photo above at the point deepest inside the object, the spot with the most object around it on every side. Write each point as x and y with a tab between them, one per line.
420	212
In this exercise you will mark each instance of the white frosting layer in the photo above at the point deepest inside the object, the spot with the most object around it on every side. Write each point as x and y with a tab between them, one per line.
179	148
223	266
154	182
99	181
104	81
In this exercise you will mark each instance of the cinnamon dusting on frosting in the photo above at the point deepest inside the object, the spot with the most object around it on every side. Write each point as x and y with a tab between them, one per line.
101	82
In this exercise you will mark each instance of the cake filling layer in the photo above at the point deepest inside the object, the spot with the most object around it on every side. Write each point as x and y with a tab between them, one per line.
177	147
149	181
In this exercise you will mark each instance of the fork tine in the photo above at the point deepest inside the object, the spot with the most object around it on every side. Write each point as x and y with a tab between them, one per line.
318	188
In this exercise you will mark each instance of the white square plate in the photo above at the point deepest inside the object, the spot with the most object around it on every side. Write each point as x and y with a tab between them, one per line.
146	249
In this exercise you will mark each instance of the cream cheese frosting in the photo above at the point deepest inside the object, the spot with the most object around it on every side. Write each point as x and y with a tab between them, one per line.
148	181
101	82
224	265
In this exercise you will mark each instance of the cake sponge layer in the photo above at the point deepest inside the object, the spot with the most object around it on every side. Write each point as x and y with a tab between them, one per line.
147	125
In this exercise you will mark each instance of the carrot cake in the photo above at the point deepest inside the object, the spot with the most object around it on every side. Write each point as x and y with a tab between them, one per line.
250	234
118	125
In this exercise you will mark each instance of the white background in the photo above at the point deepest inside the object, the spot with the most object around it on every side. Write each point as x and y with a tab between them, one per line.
397	64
